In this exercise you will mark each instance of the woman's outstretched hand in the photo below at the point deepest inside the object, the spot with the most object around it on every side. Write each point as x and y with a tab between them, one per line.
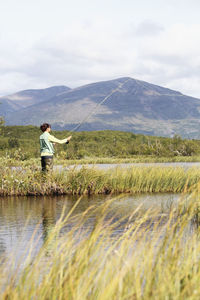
69	138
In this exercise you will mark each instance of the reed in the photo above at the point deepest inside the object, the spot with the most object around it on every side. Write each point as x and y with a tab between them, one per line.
30	181
151	257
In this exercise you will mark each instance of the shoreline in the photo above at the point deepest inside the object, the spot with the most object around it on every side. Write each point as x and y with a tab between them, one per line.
4	161
30	181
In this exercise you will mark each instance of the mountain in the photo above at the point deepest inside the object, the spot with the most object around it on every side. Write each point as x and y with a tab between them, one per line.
136	106
23	99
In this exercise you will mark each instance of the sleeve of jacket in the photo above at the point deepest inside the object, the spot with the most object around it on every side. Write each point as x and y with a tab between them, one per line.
52	139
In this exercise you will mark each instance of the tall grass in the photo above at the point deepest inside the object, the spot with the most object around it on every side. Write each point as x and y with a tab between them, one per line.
152	257
30	181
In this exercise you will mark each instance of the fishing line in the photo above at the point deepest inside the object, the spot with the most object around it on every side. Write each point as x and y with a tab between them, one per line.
97	106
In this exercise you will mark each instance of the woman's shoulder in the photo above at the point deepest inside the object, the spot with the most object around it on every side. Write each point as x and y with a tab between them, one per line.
44	135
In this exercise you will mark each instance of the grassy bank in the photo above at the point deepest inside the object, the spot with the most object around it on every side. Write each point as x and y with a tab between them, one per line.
135	159
5	161
30	181
152	258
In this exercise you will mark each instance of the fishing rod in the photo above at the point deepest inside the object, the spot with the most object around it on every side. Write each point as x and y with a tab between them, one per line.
98	105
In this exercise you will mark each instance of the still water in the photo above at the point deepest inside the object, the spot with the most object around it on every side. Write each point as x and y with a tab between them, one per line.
19	216
184	165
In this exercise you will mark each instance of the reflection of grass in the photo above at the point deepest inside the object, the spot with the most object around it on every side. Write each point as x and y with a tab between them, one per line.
148	260
29	180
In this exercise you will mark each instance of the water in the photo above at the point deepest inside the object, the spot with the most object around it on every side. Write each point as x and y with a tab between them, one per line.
185	165
19	216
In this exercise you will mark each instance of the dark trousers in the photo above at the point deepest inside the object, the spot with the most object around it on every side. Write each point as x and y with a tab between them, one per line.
47	163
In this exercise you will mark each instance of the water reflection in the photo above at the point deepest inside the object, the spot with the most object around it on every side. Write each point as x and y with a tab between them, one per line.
19	216
48	216
2	247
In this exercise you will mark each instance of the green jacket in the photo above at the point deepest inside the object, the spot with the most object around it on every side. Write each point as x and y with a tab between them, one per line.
46	143
46	146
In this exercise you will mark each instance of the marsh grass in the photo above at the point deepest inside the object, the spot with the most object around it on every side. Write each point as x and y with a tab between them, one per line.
12	162
30	181
150	258
133	159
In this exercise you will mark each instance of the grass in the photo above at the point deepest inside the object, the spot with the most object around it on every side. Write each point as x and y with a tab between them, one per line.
152	257
7	161
134	159
30	181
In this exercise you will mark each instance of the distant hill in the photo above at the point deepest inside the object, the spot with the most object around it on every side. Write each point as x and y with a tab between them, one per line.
137	106
23	99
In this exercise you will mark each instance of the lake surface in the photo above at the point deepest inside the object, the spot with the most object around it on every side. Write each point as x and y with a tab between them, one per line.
185	165
19	216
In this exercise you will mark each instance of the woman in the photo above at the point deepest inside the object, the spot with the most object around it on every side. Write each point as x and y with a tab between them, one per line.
47	148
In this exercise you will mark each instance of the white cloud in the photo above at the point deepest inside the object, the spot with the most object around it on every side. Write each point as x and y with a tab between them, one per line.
97	49
148	28
172	58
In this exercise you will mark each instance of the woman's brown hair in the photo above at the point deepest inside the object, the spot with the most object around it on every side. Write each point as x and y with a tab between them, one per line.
44	127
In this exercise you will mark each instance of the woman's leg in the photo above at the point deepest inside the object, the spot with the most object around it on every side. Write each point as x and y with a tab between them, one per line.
47	163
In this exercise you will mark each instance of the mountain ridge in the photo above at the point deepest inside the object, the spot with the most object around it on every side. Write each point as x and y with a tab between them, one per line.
138	106
26	98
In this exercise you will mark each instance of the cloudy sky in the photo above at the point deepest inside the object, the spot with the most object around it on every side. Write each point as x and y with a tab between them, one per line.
62	42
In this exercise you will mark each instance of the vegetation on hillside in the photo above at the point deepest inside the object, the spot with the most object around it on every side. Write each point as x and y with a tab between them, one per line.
22	143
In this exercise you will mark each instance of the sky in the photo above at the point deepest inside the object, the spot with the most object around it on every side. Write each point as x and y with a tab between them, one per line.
60	42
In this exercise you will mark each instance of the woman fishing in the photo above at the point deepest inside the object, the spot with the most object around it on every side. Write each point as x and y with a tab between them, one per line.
46	146
47	140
